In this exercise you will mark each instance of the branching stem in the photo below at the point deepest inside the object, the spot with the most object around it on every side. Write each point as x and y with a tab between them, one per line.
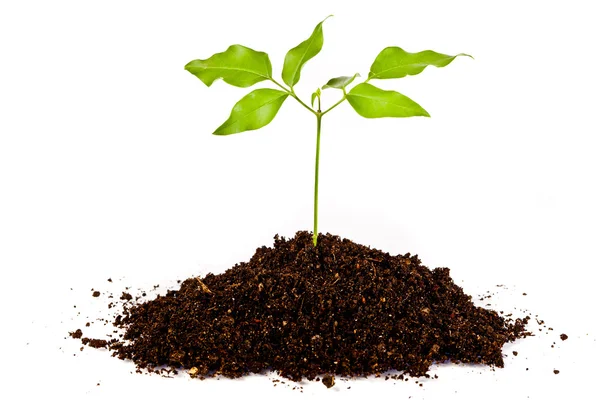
293	94
319	114
335	105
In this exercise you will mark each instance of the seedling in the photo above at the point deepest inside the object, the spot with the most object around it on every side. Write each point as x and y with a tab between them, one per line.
243	67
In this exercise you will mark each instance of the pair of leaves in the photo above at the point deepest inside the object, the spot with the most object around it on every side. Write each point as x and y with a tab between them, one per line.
371	102
243	67
393	62
337	83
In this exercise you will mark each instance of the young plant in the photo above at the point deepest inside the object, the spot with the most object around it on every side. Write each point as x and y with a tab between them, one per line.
243	67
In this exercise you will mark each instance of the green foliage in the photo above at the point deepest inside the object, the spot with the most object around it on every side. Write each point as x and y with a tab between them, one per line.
238	65
393	62
243	67
299	55
253	111
371	102
340	82
314	96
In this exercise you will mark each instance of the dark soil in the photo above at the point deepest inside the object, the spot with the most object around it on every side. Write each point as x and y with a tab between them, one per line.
95	343
329	381
77	334
341	308
126	296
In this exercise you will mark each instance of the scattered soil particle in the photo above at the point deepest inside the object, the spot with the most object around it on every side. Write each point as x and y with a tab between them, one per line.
96	293
515	353
563	336
77	334
556	372
95	343
303	311
329	381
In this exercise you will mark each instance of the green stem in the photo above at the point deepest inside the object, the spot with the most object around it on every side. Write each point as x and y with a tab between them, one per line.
316	208
335	105
319	114
319	104
303	103
293	94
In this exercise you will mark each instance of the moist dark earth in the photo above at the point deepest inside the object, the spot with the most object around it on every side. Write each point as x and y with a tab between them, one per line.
304	311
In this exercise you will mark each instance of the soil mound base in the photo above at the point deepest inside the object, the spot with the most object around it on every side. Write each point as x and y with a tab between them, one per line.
340	308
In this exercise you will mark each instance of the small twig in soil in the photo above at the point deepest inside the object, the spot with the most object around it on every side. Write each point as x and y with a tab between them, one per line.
203	287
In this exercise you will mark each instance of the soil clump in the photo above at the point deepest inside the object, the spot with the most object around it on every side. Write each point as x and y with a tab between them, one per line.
340	308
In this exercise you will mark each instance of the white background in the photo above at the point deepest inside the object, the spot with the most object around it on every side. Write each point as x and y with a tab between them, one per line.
108	169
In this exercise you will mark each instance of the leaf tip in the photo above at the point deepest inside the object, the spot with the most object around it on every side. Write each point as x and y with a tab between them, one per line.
220	131
189	67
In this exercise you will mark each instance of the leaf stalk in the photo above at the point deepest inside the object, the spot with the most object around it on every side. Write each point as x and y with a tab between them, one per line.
335	105
293	94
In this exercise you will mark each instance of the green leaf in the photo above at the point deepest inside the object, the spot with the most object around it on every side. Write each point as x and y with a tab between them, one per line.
340	82
299	55
393	62
371	102
238	65
253	111
314	97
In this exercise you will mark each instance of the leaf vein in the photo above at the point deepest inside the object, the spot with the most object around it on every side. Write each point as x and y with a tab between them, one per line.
225	125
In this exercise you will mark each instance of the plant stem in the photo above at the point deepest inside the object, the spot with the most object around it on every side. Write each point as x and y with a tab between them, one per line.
335	105
316	208
293	94
319	114
319	104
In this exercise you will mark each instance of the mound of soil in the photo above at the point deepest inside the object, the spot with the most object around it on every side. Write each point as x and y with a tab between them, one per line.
340	308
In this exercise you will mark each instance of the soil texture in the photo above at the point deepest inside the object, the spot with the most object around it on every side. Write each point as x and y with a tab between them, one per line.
340	308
